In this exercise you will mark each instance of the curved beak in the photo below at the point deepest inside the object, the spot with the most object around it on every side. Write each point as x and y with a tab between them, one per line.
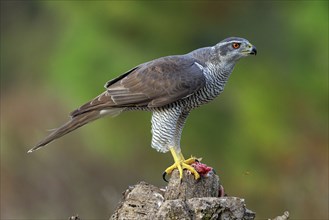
253	50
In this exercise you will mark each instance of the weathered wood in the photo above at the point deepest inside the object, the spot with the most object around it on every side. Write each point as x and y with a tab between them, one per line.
189	188
186	199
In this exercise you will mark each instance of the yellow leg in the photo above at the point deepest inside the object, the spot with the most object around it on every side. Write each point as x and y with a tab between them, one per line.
180	163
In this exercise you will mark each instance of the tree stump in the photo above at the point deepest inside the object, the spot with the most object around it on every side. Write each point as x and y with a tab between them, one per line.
181	199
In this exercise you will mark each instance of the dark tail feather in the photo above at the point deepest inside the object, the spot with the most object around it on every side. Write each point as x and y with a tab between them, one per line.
69	126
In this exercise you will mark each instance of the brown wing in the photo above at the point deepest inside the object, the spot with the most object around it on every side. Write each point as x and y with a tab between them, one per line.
152	84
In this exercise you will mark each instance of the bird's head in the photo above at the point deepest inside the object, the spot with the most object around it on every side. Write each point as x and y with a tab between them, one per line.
234	48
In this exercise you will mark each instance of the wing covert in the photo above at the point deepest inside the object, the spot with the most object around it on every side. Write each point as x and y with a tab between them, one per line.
152	84
158	82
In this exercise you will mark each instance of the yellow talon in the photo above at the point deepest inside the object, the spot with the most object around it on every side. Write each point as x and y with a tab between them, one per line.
181	164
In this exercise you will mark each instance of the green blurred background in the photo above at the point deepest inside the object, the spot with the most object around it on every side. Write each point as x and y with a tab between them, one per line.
266	135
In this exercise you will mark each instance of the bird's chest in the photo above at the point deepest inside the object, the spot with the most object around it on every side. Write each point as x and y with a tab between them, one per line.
214	86
208	93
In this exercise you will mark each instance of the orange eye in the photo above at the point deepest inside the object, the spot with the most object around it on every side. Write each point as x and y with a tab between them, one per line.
236	45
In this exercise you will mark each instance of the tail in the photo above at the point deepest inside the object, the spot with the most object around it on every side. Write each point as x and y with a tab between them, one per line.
75	122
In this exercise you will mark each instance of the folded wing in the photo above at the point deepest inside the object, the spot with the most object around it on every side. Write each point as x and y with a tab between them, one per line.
152	84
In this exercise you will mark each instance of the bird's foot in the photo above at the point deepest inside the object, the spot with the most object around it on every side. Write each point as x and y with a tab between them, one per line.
184	164
181	164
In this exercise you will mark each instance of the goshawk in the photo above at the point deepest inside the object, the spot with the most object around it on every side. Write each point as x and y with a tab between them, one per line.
170	87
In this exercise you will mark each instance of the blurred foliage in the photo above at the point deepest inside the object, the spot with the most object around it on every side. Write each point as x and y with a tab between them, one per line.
267	135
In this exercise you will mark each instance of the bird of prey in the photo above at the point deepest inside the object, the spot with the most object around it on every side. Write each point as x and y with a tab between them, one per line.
169	87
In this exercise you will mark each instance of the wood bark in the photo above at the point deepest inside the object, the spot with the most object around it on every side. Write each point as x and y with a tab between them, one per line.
181	199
